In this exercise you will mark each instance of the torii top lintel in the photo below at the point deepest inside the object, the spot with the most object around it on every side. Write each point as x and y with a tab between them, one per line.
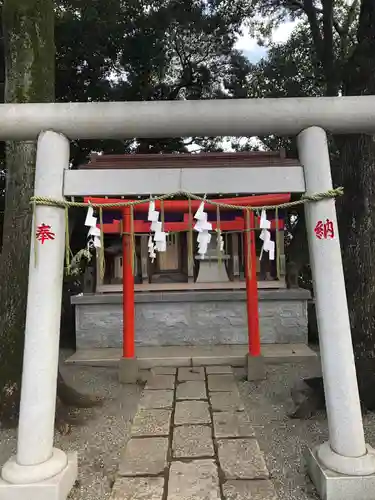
189	118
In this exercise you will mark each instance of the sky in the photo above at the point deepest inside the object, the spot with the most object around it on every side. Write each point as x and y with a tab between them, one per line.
253	51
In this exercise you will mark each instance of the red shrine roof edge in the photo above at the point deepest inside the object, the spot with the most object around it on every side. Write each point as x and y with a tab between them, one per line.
190	160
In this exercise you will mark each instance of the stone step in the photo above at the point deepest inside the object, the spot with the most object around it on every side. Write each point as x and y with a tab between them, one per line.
241	459
192	441
191	389
151	423
144	457
205	355
138	488
197	480
246	490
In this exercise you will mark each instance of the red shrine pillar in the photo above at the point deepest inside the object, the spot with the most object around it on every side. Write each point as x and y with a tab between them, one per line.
128	364
251	285
127	286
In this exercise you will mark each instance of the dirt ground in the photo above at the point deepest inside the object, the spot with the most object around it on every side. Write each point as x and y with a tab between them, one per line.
101	439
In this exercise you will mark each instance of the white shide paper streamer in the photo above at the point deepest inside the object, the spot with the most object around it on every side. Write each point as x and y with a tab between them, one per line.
93	236
202	226
157	241
265	236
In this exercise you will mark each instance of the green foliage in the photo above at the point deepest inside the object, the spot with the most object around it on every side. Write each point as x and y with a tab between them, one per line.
328	31
143	51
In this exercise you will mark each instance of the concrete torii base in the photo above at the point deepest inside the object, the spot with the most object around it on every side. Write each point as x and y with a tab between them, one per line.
333	486
57	487
128	371
255	368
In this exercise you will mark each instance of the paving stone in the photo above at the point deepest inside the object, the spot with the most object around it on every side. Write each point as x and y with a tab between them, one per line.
242	459
138	488
191	373
219	369
221	383
191	441
191	412
245	490
197	480
232	425
151	423
226	401
160	382
156	399
144	456
164	370
192	389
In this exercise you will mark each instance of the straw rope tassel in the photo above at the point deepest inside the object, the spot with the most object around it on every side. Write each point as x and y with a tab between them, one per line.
101	250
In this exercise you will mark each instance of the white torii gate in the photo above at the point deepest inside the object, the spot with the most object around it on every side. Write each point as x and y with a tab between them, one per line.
344	467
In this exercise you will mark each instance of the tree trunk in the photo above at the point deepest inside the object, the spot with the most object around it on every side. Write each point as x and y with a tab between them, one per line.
357	233
357	214
29	58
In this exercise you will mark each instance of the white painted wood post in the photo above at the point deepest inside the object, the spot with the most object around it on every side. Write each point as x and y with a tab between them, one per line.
235	256
36	458
346	452
144	257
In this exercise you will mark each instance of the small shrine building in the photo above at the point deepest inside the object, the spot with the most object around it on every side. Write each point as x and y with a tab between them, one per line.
181	299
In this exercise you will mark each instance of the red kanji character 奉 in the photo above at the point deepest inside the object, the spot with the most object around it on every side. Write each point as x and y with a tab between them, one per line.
324	230
44	233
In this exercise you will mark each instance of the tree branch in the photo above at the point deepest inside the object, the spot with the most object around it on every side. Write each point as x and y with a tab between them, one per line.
312	16
322	39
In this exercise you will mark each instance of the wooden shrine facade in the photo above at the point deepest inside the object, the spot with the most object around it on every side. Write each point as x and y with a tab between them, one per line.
174	268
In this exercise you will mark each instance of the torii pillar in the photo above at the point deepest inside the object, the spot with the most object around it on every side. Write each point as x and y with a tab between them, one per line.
38	470
344	467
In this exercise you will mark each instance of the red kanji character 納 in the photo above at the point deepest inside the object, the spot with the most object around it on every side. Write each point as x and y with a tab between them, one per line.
319	229
44	233
324	230
329	231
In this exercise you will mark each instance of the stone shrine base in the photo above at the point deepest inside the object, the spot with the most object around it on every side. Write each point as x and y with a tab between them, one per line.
191	318
191	438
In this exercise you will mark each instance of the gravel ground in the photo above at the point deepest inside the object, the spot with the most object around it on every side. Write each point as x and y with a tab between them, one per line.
101	438
282	439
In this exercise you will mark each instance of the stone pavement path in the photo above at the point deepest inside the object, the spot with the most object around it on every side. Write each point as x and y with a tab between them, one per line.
192	440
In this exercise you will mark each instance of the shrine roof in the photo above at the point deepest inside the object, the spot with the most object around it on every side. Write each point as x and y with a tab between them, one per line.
190	160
